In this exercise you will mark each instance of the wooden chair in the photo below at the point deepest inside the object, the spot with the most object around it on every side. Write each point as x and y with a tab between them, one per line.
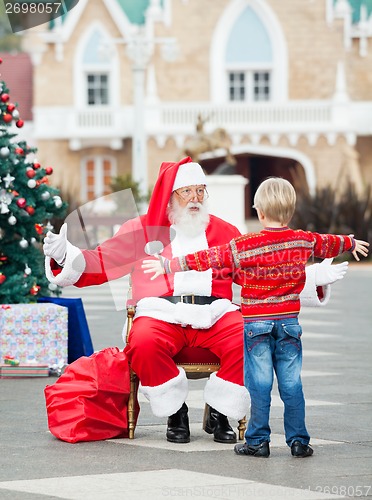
197	363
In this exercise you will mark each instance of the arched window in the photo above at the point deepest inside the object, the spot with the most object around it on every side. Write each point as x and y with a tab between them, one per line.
96	70
96	175
248	59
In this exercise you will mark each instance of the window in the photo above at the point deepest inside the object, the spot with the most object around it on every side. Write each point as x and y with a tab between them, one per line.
98	89
96	176
249	85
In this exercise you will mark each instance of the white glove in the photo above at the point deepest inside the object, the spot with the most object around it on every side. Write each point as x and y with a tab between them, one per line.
55	245
326	274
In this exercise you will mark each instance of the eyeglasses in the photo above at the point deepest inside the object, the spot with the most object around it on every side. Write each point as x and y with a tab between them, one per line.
188	193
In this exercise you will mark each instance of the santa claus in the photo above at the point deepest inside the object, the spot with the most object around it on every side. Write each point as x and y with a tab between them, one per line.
174	311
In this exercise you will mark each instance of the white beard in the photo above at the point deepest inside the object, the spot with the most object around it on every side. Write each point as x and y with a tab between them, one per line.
190	223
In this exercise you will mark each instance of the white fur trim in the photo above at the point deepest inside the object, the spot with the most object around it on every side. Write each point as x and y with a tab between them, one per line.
226	397
165	399
198	283
73	267
189	174
309	295
184	314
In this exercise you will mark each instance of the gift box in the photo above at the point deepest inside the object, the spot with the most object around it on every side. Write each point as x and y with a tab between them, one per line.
34	333
23	371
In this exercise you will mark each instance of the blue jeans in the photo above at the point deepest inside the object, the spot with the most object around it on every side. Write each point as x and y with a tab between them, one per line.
274	346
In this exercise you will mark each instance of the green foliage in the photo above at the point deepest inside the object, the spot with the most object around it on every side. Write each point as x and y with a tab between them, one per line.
328	211
27	204
126	182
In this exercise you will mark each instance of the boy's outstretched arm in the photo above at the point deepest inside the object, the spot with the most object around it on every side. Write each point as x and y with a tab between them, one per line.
153	266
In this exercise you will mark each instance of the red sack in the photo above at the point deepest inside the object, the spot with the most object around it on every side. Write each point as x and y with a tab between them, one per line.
89	401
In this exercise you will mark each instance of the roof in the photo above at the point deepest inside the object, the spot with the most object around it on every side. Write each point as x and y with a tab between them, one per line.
17	72
356	6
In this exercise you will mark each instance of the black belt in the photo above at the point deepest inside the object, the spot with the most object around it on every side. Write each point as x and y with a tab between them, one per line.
191	299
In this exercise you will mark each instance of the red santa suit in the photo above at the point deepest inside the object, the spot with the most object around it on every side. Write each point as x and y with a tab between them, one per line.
162	328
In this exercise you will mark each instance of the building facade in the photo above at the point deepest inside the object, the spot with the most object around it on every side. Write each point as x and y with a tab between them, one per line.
120	86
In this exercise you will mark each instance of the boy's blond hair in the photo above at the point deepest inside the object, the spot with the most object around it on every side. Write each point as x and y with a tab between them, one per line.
276	199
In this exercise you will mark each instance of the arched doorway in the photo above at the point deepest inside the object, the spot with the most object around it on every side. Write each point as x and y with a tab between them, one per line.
258	166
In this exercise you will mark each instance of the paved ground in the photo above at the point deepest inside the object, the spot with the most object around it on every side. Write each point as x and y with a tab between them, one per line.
337	379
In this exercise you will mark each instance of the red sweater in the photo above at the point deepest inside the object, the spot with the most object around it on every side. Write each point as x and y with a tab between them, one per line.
270	266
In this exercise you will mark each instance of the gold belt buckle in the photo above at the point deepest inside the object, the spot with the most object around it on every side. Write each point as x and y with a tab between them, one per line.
188	295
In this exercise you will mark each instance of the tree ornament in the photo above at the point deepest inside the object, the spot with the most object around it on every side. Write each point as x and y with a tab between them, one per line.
4	97
7	117
4	152
16	114
12	220
23	243
49	226
34	290
36	165
49	170
20	123
19	151
21	202
31	183
5	200
8	179
45	196
39	228
57	201
10	107
52	287
3	259
2	278
30	172
30	210
28	270
33	241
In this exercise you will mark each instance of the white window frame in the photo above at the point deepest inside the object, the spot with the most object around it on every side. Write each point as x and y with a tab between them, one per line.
219	90
249	71
82	70
99	186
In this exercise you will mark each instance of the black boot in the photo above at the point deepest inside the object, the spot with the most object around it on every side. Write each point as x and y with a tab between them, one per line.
217	424
178	430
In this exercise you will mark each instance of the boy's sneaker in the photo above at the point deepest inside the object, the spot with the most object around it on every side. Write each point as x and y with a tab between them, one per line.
301	450
254	450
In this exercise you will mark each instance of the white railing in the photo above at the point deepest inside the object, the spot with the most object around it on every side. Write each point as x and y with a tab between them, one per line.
235	114
167	119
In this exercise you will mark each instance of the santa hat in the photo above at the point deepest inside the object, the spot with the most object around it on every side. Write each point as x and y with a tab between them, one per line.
172	176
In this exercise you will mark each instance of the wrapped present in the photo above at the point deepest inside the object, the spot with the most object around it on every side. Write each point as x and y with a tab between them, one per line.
34	333
23	371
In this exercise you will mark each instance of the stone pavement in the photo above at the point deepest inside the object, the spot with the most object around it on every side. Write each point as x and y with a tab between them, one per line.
337	380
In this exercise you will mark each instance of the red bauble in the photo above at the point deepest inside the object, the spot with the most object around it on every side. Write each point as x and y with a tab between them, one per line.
36	165
30	210
49	170
20	123
2	278
30	173
19	151
39	228
10	107
4	97
7	117
21	202
35	290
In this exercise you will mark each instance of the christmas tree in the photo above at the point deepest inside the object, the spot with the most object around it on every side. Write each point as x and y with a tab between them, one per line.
27	204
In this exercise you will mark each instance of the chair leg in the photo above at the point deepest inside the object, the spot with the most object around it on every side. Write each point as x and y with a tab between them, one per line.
131	404
241	428
205	417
